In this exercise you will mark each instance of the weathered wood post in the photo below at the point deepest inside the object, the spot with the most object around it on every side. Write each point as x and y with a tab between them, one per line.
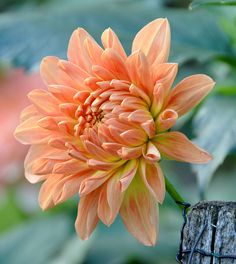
210	232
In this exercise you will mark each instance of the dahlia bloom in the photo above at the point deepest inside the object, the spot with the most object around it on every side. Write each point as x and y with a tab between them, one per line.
104	124
14	86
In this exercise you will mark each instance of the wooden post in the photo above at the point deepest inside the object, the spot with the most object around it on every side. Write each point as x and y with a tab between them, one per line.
210	227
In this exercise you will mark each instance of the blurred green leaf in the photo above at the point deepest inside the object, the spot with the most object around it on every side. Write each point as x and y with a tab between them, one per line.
215	127
26	37
41	241
199	3
74	251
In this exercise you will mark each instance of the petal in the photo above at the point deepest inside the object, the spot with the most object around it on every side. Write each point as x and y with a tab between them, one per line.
82	52
166	120
93	181
111	41
114	62
153	178
154	41
110	200
128	173
164	74
139	71
29	132
189	92
58	72
87	218
177	146
40	161
139	213
151	153
39	97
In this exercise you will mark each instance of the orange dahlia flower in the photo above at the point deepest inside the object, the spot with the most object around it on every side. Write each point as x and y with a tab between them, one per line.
103	124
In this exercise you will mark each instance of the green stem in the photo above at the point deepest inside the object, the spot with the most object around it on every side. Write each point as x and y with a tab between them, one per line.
174	194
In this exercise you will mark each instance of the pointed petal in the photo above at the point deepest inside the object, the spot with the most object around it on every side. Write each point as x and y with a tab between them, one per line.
111	41
177	146
87	218
154	41
153	178
83	50
110	200
189	92
139	71
29	132
139	213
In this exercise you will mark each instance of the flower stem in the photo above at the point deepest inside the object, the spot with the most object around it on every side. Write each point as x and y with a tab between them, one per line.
174	194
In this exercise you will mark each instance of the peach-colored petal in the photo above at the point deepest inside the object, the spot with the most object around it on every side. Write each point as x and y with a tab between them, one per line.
153	178
114	62
189	92
166	120
80	52
139	71
111	41
87	218
154	41
110	200
93	180
151	153
176	145
158	99
139	213
40	161
39	97
164	74
128	172
29	132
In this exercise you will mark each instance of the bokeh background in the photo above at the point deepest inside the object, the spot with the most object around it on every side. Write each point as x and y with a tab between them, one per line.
203	41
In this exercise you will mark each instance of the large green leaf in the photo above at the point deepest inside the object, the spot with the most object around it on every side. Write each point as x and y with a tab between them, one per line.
198	3
26	37
215	127
42	241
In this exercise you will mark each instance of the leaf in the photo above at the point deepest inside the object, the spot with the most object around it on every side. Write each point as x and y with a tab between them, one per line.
74	251
215	127
40	241
26	37
199	3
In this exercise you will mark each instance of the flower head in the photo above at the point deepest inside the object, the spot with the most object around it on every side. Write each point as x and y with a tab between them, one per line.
103	124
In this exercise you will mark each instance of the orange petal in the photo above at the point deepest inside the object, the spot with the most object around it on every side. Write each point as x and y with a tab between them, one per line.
40	161
87	218
189	92
110	200
151	153
28	112
93	181
164	74
139	71
128	172
166	120
177	146
153	178
111	41
29	132
80	52
114	62
158	99
139	213
154	41
39	97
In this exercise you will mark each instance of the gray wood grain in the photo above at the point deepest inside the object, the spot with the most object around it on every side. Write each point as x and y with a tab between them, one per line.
218	220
